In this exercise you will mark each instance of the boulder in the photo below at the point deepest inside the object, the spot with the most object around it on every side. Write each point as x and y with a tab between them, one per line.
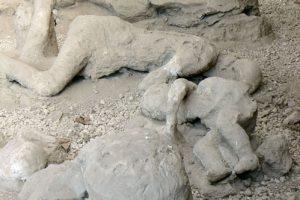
239	27
137	164
2	141
62	181
294	88
64	3
20	159
274	155
23	156
141	163
213	19
220	20
293	118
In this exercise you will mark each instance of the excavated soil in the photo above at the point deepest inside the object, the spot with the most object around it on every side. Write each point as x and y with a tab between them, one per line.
109	102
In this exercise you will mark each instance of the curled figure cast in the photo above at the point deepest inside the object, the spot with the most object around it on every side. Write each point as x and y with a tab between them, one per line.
223	106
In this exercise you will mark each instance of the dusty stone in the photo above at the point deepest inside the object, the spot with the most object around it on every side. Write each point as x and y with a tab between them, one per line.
239	27
248	192
64	3
56	116
214	19
20	159
59	155
102	102
2	142
293	118
274	153
62	181
104	166
294	95
294	196
294	88
125	164
85	120
23	156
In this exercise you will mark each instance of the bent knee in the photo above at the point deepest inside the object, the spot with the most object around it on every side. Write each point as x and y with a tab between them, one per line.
46	85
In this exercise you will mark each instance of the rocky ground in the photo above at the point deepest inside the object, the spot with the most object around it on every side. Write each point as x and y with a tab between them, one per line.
87	109
280	62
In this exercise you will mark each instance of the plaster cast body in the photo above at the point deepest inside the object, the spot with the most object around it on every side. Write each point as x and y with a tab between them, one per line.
99	46
224	106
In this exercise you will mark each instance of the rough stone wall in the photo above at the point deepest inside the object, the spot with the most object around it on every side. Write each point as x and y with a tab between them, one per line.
217	19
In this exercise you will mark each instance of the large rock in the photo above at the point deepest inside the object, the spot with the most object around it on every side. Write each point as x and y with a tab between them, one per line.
137	164
215	19
55	182
294	88
275	157
2	141
21	157
293	119
237	28
140	163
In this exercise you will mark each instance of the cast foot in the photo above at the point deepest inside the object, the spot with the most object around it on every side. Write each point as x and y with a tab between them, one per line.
214	175
246	163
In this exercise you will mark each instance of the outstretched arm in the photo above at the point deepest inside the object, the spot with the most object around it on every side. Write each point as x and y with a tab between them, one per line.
178	91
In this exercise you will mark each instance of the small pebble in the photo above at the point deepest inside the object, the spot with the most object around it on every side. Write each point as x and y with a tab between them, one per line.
248	192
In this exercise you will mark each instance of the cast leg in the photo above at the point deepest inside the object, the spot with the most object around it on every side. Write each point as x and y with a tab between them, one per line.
207	150
237	138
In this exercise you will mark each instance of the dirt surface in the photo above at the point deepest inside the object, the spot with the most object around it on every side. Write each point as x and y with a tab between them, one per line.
280	62
108	103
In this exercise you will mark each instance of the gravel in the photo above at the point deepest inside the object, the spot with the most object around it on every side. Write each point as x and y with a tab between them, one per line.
46	117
